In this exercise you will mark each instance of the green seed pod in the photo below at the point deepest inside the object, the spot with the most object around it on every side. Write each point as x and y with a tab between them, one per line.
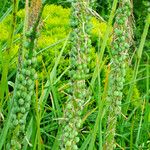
28	98
26	56
82	49
88	59
26	45
120	21
33	71
79	113
15	110
21	121
75	76
20	77
23	71
70	115
18	146
21	101
80	67
29	62
29	82
22	128
27	106
22	110
15	122
75	147
35	76
66	134
34	60
124	57
24	82
28	72
79	96
31	93
34	53
69	129
75	133
24	94
122	39
78	124
13	142
31	87
74	24
18	94
68	143
77	139
28	34
69	106
126	45
14	116
71	136
86	71
83	76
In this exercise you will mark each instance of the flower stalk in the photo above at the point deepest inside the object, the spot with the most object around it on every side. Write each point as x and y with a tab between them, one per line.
79	59
119	51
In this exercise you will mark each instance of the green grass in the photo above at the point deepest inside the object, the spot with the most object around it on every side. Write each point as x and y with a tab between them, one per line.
44	121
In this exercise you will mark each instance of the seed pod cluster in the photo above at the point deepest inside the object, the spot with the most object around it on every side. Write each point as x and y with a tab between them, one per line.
119	52
23	95
79	59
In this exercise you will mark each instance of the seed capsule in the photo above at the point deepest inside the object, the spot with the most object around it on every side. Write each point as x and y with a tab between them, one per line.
75	147
15	122
13	142
20	77
29	82
77	139
18	94
21	121
34	60
27	106
68	143
21	101
22	110
26	45
28	72
29	62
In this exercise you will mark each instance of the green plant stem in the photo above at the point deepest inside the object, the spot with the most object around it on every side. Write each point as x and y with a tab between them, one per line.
140	125
103	46
137	64
6	57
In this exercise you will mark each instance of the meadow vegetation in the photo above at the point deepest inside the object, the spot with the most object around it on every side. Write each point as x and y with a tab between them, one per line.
74	74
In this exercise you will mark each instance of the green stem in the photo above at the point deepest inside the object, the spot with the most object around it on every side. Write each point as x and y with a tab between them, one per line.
6	56
137	64
106	37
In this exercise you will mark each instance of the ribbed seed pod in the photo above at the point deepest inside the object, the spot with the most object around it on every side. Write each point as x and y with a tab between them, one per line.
79	58
23	96
117	74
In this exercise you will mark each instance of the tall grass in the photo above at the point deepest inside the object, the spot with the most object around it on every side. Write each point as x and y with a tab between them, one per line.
6	57
63	114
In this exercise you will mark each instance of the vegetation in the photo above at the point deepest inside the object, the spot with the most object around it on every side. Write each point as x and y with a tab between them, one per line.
74	75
